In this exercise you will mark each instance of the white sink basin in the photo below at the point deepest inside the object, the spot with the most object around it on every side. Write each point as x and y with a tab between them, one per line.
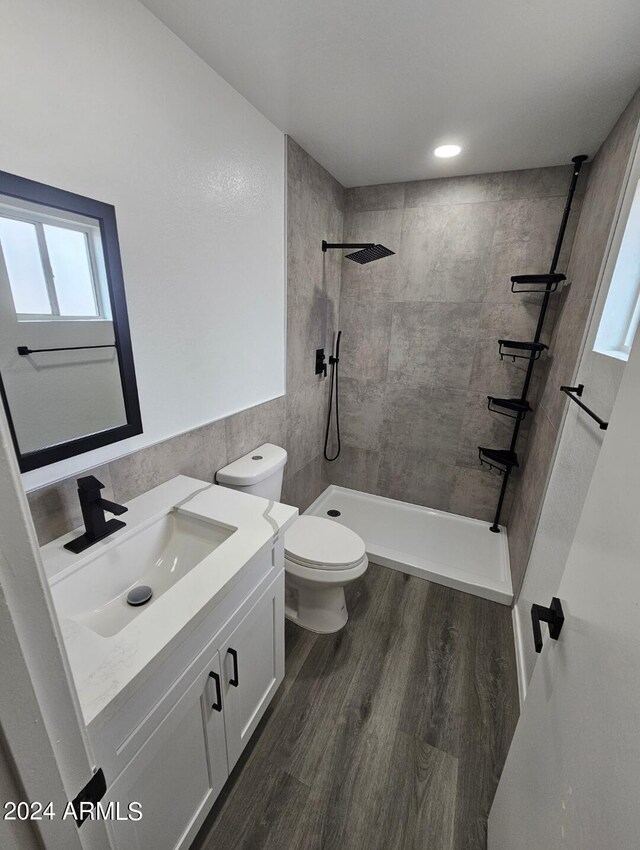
157	554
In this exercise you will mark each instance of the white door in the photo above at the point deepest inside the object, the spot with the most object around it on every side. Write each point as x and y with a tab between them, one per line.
46	748
252	661
572	775
581	440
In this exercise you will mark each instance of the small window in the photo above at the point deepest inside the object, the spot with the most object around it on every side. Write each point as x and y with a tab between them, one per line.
53	264
621	314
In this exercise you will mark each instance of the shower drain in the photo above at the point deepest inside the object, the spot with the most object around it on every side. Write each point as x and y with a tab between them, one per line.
139	595
333	512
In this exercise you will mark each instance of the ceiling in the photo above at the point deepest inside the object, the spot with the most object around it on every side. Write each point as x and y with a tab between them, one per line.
371	87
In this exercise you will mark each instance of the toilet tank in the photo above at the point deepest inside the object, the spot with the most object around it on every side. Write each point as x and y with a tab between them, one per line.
259	472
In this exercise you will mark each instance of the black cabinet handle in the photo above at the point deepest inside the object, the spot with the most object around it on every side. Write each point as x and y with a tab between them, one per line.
553	615
235	679
217	706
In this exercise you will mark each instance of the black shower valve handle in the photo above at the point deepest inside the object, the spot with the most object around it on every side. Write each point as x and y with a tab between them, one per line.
321	363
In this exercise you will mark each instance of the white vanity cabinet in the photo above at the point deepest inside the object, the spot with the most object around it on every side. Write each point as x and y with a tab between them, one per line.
177	774
172	691
200	727
253	666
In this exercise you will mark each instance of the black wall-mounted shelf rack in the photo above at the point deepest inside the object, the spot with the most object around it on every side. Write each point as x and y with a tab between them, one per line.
530	350
504	460
536	282
513	408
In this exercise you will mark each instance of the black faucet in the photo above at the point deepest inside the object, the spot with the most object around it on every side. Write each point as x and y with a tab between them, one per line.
97	527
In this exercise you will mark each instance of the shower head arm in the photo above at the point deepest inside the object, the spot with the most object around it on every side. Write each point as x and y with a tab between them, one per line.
326	245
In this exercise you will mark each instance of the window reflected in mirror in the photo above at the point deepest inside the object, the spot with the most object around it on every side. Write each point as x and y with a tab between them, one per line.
68	382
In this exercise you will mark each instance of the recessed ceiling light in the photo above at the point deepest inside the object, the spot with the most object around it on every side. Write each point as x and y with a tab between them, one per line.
447	150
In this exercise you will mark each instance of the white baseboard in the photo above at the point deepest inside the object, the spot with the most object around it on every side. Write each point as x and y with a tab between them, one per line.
519	647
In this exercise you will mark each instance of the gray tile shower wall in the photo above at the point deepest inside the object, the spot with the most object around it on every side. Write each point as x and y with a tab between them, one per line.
315	210
598	210
419	350
315	206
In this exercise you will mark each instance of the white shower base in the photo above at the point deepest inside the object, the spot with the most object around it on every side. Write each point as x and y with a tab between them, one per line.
445	548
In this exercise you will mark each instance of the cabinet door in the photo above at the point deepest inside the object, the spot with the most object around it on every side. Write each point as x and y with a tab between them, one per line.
178	773
252	660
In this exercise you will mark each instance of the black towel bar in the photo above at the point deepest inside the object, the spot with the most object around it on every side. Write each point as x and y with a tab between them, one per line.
23	350
574	394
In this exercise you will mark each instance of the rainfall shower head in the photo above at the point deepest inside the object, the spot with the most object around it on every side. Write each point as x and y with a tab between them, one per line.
367	255
368	252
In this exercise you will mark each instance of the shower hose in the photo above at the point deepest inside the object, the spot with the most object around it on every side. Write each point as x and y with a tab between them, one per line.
333	387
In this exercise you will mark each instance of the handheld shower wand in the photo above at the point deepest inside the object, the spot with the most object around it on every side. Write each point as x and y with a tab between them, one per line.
334	360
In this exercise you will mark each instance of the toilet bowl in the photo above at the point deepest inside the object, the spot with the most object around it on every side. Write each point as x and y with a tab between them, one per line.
321	556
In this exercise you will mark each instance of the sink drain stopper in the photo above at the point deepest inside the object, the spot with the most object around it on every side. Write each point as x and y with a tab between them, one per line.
139	595
333	512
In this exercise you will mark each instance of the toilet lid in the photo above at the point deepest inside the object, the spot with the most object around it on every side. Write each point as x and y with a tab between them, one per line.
323	544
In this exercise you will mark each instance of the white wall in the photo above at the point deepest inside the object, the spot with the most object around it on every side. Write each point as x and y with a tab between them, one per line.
101	99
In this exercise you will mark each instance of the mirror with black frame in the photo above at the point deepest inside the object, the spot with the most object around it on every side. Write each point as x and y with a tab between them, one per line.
67	376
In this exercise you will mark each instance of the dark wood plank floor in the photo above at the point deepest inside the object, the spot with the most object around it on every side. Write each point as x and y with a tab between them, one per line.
389	735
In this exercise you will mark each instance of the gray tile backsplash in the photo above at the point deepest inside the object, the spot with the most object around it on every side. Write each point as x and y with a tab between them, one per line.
55	509
198	453
265	423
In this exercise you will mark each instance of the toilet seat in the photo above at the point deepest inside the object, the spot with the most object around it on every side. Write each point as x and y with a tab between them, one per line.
321	544
326	577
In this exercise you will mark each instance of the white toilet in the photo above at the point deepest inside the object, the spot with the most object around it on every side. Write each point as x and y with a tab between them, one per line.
321	556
